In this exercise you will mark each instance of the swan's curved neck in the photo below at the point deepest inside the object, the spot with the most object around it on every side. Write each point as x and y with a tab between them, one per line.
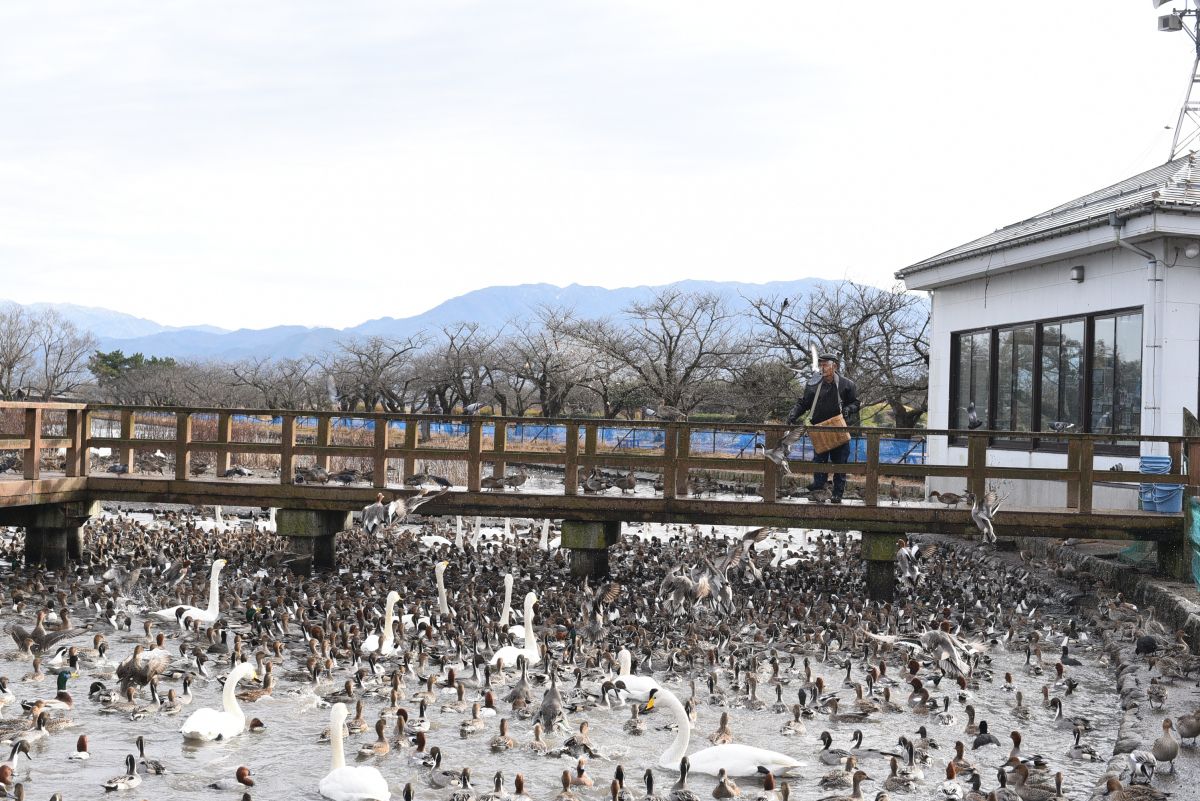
544	543
228	699
443	605
671	757
335	742
624	661
530	645
507	602
389	615
214	601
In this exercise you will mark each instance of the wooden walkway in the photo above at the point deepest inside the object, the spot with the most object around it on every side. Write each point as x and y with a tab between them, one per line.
53	441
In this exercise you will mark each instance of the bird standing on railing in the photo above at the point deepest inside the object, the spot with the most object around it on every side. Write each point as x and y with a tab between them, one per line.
973	420
663	412
1061	425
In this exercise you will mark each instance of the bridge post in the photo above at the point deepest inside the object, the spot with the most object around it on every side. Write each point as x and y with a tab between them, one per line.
53	532
589	542
879	551
313	532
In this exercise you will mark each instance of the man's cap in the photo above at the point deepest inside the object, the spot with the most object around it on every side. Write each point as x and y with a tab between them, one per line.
829	357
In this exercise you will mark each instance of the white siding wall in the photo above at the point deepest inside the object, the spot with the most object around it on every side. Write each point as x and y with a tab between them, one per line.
1115	278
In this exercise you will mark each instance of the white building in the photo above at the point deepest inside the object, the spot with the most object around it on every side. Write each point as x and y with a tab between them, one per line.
1087	314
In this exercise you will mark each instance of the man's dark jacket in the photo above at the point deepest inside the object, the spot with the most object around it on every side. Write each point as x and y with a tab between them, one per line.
827	404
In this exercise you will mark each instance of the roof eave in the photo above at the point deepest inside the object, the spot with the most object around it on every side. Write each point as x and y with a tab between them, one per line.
1096	221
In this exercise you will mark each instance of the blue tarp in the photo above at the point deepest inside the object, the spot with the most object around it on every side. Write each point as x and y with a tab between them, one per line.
712	441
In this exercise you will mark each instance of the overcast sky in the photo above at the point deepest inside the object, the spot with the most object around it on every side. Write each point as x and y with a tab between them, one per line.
248	164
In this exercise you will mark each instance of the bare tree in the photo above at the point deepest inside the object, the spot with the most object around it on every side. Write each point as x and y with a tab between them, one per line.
461	368
375	371
673	344
280	383
18	341
61	353
542	362
881	336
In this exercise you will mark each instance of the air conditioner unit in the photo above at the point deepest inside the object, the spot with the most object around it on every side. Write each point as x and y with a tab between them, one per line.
1170	22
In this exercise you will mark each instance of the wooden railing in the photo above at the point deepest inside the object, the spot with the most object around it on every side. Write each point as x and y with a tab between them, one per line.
288	438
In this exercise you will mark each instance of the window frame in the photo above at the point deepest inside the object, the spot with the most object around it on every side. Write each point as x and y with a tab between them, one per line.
1085	400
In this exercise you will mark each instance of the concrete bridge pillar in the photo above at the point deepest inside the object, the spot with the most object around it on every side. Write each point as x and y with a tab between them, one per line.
589	542
879	551
313	532
53	532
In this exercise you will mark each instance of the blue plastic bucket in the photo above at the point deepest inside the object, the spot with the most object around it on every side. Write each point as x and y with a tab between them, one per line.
1165	498
1156	465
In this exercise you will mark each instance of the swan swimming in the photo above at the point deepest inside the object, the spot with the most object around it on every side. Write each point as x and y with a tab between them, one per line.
346	783
206	616
385	645
207	724
529	650
737	759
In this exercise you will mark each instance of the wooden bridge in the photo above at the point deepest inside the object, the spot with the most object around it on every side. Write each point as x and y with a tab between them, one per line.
178	456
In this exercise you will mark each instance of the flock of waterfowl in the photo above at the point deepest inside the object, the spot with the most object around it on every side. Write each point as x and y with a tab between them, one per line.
448	661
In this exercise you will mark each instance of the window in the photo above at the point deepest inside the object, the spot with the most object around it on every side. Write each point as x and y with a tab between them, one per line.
974	375
1062	374
1117	374
1014	379
1085	371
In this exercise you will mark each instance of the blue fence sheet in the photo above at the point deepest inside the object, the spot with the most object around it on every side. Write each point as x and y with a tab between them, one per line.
891	451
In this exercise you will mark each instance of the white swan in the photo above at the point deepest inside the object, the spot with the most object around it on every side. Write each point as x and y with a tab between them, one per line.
529	650
182	612
636	687
345	783
735	758
220	724
504	613
385	645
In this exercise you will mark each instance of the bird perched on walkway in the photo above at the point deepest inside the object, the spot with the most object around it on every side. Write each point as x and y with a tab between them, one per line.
948	498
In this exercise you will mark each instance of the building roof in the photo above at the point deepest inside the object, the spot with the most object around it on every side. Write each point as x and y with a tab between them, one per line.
1172	186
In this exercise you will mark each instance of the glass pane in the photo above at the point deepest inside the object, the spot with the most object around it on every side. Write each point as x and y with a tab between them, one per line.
1051	374
1129	374
1022	414
980	374
1103	359
1070	409
1004	380
958	418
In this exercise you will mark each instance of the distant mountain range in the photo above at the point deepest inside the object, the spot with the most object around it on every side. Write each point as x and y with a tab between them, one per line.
491	307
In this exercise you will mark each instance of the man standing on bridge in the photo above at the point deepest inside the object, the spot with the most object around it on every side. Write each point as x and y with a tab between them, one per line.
831	400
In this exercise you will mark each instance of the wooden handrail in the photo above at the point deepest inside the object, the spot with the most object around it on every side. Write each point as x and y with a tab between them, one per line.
675	462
